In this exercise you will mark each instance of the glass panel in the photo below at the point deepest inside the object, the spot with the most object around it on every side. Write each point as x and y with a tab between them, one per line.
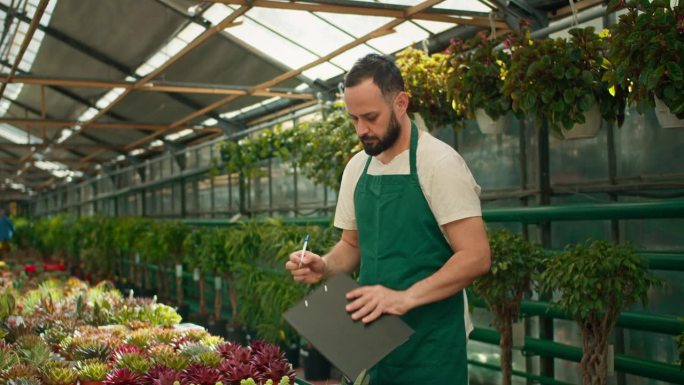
347	59
434	26
204	191
283	185
204	156
463	5
405	34
357	25
258	191
303	28
191	205
322	71
221	197
271	44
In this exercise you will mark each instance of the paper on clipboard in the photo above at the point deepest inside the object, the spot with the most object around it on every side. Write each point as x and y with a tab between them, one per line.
350	345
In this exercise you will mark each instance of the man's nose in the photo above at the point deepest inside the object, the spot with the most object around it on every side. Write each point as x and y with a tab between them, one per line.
361	128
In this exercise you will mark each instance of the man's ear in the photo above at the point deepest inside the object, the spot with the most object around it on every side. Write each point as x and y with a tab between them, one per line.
401	103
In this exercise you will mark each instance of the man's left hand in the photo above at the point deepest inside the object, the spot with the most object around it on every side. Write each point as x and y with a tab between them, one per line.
370	302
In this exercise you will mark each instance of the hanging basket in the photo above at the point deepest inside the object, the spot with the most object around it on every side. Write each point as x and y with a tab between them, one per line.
487	124
665	117
588	129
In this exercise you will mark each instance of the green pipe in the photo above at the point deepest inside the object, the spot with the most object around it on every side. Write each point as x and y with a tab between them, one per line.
517	373
664	261
300	221
625	364
655	210
656	323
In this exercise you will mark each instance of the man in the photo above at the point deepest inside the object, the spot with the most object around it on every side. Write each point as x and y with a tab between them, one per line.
411	225
6	232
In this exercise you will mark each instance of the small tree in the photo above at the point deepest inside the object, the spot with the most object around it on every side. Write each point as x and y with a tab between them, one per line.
595	282
515	264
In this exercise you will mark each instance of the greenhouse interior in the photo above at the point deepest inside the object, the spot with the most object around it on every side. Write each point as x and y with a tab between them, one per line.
178	178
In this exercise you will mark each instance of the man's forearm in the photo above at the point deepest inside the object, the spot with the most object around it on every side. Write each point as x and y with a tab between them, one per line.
342	258
459	271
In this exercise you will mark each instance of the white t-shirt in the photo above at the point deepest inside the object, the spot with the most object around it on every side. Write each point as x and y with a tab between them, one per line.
446	181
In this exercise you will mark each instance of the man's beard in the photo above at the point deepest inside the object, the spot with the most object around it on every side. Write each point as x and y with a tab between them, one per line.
374	145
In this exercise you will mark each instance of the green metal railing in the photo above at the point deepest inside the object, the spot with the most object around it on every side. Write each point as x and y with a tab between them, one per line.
626	364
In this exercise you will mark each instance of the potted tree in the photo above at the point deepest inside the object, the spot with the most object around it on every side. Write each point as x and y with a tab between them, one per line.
191	247
425	78
516	264
646	48
475	82
595	282
563	82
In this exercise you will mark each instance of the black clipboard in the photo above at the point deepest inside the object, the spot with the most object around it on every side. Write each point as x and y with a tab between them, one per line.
350	345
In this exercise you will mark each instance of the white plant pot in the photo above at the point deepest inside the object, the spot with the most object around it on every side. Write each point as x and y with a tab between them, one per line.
665	117
487	124
588	129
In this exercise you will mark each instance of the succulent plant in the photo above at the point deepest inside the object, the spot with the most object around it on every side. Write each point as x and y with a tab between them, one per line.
92	370
140	338
235	352
93	349
36	355
162	375
124	349
135	362
18	371
123	377
60	376
28	341
232	372
276	370
54	336
165	336
192	350
198	374
24	381
8	357
210	359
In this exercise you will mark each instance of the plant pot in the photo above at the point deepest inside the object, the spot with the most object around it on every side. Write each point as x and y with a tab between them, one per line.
236	335
665	117
316	367
588	129
217	327
488	125
291	351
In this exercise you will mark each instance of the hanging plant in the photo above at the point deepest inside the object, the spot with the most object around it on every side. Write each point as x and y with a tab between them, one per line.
425	77
476	79
647	48
560	80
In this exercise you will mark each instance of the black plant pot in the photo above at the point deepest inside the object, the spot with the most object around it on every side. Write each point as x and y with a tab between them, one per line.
236	335
217	327
183	310
291	351
316	367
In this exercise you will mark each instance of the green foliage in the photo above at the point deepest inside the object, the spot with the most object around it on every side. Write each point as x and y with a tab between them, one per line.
425	77
515	264
91	349
477	76
598	279
647	48
136	363
61	376
559	80
320	148
92	370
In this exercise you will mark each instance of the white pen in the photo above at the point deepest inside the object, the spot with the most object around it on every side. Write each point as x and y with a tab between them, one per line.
301	256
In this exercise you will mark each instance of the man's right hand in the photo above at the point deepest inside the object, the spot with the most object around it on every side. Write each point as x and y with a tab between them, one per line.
311	270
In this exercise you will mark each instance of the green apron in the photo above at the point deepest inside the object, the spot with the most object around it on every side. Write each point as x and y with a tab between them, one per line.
401	244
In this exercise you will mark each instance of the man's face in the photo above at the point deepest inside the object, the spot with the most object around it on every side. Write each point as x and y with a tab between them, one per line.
376	123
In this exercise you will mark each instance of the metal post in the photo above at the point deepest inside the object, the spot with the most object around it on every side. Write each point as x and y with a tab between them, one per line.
545	323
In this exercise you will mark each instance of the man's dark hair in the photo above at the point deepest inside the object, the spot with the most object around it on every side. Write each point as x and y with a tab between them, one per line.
382	70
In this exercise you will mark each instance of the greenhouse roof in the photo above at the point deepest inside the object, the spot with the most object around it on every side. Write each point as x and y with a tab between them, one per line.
115	81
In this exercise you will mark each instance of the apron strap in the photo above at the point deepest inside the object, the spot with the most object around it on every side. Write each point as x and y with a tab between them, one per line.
412	149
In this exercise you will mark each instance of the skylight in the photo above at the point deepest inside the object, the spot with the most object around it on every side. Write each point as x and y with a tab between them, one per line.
16	135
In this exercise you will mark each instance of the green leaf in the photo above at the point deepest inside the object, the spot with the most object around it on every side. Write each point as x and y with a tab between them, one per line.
653	78
674	71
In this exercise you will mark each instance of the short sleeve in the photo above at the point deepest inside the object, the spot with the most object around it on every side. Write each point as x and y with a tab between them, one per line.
451	190
345	215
